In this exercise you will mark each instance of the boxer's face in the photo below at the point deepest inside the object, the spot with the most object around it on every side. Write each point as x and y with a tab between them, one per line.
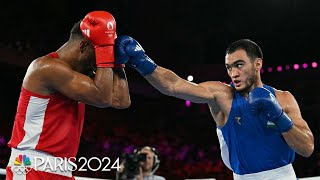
88	56
241	70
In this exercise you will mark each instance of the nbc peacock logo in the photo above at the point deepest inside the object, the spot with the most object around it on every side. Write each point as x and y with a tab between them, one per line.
22	164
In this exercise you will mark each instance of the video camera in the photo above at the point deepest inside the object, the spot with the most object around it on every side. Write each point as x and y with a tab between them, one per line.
132	163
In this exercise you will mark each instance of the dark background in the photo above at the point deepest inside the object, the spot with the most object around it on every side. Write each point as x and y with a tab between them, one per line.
189	37
177	32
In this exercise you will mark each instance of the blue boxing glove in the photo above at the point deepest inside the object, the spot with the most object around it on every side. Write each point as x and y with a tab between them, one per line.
129	50
264	104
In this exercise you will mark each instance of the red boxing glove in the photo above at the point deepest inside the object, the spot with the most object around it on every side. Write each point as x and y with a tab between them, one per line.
99	27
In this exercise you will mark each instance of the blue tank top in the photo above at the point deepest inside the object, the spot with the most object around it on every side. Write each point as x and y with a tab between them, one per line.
251	145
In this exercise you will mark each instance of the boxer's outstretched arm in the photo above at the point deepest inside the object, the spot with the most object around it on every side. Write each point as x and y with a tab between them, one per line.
300	137
121	96
167	82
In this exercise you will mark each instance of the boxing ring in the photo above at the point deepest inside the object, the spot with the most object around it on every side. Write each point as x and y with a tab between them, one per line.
3	173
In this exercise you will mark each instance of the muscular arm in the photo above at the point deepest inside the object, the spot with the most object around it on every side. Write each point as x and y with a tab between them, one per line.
168	83
121	96
300	137
60	77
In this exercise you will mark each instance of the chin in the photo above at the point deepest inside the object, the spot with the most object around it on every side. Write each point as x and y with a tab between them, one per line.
239	89
242	89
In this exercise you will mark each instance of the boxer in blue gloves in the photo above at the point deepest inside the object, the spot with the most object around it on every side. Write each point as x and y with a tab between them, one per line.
259	127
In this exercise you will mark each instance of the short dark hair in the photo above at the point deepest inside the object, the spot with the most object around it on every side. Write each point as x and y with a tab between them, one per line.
75	32
252	49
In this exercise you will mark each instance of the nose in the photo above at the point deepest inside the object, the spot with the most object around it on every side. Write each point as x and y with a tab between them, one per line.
234	73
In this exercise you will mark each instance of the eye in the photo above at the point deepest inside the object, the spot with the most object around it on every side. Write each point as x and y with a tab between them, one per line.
239	65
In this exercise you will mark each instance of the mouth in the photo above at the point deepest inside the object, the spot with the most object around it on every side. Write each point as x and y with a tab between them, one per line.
237	83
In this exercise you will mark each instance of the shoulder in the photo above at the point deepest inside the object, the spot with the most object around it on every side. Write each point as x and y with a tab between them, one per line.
46	64
216	86
286	99
49	63
218	89
50	68
282	94
44	71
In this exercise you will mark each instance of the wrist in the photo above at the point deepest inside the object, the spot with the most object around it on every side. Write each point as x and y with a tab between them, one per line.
119	65
284	123
146	66
104	56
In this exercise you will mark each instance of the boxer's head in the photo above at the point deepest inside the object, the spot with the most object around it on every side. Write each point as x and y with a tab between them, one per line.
243	61
86	49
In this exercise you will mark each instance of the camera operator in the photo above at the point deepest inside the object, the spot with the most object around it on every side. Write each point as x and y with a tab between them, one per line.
141	165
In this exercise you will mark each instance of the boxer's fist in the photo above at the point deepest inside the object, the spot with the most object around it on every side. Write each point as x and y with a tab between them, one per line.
264	104
129	50
99	27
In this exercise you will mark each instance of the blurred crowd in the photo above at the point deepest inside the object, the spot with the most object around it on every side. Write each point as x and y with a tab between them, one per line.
179	158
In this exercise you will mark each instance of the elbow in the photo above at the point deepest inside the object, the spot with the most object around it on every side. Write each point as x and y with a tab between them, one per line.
308	150
128	104
121	104
125	104
309	147
104	102
169	91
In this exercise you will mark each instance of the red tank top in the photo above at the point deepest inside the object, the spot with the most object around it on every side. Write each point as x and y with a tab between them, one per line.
51	123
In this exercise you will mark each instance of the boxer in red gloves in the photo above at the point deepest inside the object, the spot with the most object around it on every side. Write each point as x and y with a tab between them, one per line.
55	89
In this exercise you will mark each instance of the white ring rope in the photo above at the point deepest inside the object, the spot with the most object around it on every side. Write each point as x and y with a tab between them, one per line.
3	172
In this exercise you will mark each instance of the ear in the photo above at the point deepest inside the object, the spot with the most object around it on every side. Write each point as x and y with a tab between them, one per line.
258	63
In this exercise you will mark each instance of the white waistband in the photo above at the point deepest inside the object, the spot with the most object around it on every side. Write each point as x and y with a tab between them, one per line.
40	161
282	173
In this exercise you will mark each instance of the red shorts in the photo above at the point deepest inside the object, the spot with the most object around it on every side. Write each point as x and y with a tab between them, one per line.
34	175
